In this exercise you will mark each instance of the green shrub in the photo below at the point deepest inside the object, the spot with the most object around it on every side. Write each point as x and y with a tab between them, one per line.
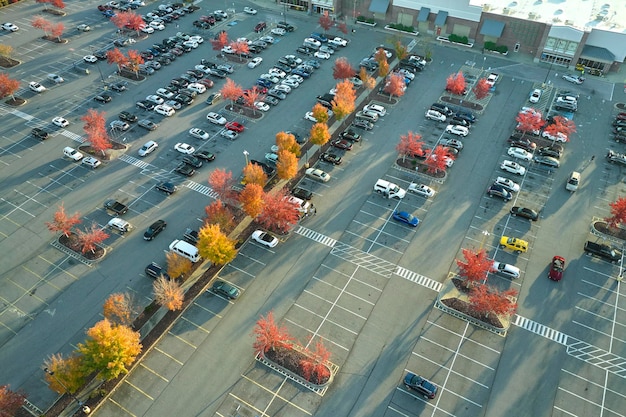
369	20
400	26
490	46
503	49
458	39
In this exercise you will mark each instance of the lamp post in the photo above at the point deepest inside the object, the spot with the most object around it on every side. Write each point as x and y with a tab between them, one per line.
285	11
81	404
548	73
245	154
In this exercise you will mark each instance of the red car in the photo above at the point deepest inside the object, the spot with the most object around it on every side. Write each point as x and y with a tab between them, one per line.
342	144
235	127
556	268
206	82
620	116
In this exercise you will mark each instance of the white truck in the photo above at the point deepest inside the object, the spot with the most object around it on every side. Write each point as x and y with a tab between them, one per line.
72	153
492	79
389	189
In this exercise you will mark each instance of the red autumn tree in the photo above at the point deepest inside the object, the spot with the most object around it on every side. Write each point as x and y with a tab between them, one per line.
325	21
59	4
410	145
231	91
135	22
218	213
456	84
474	268
395	85
254	174
436	160
279	214
344	102
57	30
314	365
320	113
39	22
319	134
269	335
561	125
220	41
343	69
343	27
221	181
618	213
481	89
121	19
251	199
10	401
134	60
117	57
252	96
401	50
8	86
62	222
287	165
529	121
240	48
486	301
91	237
100	142
96	131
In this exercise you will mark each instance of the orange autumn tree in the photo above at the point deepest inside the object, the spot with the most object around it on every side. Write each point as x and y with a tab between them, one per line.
287	141
319	134
221	181
215	246
254	174
218	213
344	102
287	165
8	86
134	60
177	266
251	199
395	85
368	81
90	238
320	113
401	50
62	222
67	373
120	308
279	214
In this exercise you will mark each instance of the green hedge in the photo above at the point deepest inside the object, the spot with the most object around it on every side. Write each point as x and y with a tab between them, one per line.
366	19
400	26
492	46
458	39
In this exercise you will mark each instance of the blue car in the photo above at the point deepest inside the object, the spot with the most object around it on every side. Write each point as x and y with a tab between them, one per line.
301	73
405	217
319	37
153	51
264	83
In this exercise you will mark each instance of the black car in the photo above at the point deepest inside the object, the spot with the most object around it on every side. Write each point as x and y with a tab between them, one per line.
186	170
305	51
179	82
363	124
145	104
154	271
550	151
286	26
128	117
499	191
547	161
40	133
330	158
411	65
196	73
301	193
459	121
167	55
205	155
103	98
166	187
193	161
189	78
421	385
101	55
525	212
225	289
271	100
442	108
160	48
283	67
523	143
217	73
269	171
119	87
350	135
147	124
183	99
466	115
208	63
154	229
369	64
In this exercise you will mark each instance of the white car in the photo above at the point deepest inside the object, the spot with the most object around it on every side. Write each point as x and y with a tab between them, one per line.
83	28
36	87
375	108
505	270
158	25
290	82
164	110
221	14
322	55
72	153
229	134
421	189
309	116
202	68
91	162
283	87
277	73
61	122
119	125
198	133
261	105
559	136
406	73
249	10
278	31
228	50
510	185
153	98
356	81
535	95
574	79
57	79
267	39
457	130
338	41
512	167
270	77
449	161
435	115
296	78
216	118
10	27
197	88
197	39
165	93
147	29
184	148
293	58
317	174
148	148
312	41
255	62
519	153
191	44
264	238
90	59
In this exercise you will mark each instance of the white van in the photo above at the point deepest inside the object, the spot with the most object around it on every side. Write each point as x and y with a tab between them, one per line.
389	189
185	250
573	181
122	226
72	153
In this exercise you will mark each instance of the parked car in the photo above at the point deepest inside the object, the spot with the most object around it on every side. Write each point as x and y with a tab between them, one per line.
421	385
499	191
519	153
524	212
435	115
556	268
512	167
317	174
535	95
204	155
184	148
514	244
406	218
330	158
421	189
506	270
507	184
342	144
147	124
166	187
457	130
127	117
576	79
154	271
216	118
148	148
225	290
40	133
265	238
154	229
547	161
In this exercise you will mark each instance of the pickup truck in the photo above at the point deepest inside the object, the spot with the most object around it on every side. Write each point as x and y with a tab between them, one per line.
614	157
116	207
603	251
191	236
492	78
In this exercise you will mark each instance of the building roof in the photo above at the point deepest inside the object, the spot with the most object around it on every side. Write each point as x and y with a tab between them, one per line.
609	15
440	20
423	14
597	53
379	6
492	28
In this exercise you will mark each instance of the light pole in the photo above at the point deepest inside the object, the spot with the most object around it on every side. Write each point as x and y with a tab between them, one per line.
484	63
245	154
548	73
81	404
285	11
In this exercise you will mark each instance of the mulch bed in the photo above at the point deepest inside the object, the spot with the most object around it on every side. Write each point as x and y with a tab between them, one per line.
411	164
292	360
6	62
245	111
54	39
72	242
55	12
463	103
131	75
621	106
602	227
465	307
106	157
18	101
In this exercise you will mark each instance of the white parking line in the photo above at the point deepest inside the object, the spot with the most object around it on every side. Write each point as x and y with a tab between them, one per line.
121	407
372	241
335	305
361	299
255	260
325	319
444	347
381	231
320	336
168	355
136	388
197	326
153	372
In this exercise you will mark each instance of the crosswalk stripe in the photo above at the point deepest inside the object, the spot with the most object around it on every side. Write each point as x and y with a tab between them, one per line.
540	329
202	189
419	279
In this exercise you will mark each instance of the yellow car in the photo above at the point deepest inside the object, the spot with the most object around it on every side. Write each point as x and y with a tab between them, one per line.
513	243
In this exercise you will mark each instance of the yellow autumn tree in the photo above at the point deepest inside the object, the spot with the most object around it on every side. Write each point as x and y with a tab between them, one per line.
287	141
320	113
368	82
215	245
251	199
344	101
168	293
66	370
109	349
120	309
177	266
254	174
287	165
319	134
